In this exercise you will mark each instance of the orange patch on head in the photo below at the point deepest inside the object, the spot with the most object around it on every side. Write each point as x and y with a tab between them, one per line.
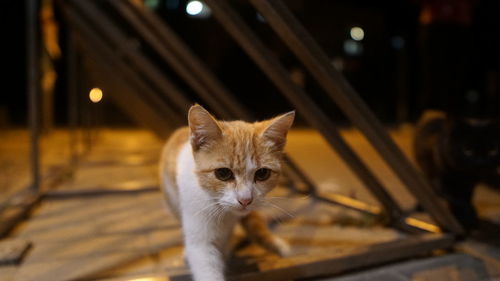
240	146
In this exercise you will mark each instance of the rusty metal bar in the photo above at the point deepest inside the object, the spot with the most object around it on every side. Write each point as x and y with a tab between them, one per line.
33	87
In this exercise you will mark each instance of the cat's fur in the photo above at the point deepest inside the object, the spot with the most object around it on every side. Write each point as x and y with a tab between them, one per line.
456	153
209	207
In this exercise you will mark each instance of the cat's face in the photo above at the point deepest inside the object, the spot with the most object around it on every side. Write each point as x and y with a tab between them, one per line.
475	143
237	163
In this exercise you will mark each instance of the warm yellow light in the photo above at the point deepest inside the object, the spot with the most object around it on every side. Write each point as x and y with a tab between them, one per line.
422	224
95	95
357	33
151	279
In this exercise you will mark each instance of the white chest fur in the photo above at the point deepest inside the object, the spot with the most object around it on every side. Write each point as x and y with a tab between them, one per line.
206	230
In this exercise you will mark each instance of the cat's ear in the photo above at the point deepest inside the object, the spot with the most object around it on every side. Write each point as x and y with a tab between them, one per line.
204	127
277	129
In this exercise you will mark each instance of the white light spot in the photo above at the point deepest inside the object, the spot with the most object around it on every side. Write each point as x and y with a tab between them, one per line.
357	33
196	8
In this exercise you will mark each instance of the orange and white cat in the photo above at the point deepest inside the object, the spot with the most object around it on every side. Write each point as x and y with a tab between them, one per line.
214	175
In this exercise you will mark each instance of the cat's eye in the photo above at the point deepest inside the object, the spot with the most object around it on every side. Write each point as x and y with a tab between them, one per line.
224	174
262	174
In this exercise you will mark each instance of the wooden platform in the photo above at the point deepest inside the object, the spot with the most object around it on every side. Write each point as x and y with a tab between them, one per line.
128	236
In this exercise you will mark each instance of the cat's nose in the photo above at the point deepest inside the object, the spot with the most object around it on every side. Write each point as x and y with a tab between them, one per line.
245	201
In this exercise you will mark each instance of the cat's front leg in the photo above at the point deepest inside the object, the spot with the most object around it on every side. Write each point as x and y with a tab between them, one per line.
203	250
257	229
205	261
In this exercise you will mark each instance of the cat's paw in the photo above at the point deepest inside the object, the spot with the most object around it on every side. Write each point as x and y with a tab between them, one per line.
281	247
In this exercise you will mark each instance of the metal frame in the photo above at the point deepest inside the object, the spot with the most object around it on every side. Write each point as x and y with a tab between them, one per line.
72	88
104	41
186	62
33	85
277	74
17	207
339	90
128	50
105	56
346	98
187	65
173	50
330	264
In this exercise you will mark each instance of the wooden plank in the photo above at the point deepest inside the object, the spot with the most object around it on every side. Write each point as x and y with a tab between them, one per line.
317	62
16	210
13	250
97	192
350	203
303	103
316	265
328	264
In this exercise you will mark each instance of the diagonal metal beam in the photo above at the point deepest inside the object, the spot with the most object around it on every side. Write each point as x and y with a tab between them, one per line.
188	66
304	104
179	56
317	62
174	51
168	90
151	109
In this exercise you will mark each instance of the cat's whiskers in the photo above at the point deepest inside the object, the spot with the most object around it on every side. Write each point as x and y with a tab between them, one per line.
284	198
221	214
214	213
209	206
268	203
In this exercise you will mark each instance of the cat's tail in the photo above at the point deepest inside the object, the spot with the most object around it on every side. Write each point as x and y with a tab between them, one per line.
258	231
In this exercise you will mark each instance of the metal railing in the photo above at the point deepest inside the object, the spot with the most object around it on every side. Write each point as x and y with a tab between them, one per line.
159	104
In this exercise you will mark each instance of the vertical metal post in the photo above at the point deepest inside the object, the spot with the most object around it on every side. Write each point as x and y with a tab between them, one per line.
33	87
72	96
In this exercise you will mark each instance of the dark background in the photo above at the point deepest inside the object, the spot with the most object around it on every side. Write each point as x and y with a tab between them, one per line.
407	65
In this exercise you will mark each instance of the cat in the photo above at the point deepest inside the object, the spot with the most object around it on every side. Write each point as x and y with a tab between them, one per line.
214	174
457	153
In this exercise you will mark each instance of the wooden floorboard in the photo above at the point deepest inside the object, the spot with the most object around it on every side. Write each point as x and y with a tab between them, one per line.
131	236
